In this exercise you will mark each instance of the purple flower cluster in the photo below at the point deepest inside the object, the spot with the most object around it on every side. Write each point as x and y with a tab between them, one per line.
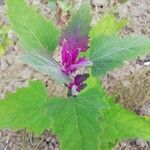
71	62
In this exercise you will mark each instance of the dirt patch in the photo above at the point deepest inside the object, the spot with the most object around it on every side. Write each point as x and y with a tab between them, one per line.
130	84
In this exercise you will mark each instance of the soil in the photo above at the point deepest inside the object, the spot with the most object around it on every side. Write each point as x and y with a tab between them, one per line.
133	78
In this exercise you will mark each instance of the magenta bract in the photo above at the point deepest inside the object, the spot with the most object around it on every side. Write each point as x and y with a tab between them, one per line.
70	52
78	82
71	46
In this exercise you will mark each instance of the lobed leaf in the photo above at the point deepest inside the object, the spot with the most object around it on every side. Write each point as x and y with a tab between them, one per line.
26	109
120	124
74	120
34	31
83	119
107	25
109	52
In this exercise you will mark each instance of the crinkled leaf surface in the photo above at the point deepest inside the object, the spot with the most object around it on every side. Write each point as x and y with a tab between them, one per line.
34	31
74	120
109	52
120	124
107	25
26	109
81	123
45	64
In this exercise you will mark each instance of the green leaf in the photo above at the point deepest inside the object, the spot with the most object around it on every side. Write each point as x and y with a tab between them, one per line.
47	65
92	82
120	124
2	50
109	52
4	40
74	120
26	109
83	119
80	22
107	25
34	31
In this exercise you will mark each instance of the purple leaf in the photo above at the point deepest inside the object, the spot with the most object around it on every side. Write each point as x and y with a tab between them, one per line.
78	84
